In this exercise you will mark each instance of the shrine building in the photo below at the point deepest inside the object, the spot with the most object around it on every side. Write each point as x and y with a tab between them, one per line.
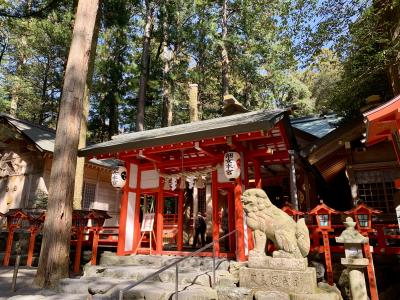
174	173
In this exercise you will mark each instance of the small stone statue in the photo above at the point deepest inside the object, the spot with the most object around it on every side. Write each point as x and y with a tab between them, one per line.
291	239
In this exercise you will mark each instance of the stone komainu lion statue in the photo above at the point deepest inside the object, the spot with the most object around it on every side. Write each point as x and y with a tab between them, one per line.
291	239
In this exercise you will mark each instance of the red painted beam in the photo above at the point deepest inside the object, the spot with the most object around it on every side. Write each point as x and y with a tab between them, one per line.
136	223
179	243
239	220
215	217
160	217
123	214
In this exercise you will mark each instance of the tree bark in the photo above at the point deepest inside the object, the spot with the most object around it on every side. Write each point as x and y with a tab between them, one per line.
54	258
144	72
201	62
16	85
166	101
224	52
193	94
80	162
388	25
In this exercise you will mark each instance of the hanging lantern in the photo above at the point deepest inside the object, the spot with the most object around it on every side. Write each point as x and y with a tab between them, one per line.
232	165
118	177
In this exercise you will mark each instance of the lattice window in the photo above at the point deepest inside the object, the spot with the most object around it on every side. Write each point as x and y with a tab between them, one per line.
88	195
202	200
378	195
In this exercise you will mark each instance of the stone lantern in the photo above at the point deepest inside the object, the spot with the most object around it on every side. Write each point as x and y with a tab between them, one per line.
354	260
363	216
323	215
97	218
14	220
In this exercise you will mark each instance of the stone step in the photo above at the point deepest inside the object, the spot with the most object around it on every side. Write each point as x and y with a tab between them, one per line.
164	291
60	296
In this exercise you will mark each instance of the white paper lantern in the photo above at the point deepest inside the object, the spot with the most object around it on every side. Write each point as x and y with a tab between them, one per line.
232	165
118	177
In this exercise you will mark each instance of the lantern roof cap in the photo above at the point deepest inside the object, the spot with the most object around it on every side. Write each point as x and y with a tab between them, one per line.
288	207
362	208
80	213
14	212
96	213
350	235
322	207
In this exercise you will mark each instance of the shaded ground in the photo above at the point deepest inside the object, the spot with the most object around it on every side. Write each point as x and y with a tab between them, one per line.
24	288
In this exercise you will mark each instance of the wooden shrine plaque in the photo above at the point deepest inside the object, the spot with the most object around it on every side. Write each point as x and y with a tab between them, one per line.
148	222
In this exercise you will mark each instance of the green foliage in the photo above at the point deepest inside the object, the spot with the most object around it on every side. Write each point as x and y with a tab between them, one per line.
33	66
314	56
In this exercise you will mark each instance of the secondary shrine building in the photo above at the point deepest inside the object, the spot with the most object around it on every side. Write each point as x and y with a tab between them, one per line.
174	173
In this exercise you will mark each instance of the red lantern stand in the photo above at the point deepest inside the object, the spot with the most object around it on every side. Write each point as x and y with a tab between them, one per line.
97	218
14	219
294	213
362	214
323	215
36	223
79	222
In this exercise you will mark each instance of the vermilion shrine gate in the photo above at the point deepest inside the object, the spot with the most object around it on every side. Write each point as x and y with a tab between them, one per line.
161	159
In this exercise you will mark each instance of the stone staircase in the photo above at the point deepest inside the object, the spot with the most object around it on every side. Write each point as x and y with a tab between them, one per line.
117	272
114	273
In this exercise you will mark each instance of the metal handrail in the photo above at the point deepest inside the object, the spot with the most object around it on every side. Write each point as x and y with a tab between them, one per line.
175	263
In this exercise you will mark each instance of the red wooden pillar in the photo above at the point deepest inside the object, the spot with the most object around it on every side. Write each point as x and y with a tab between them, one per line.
215	217
33	230
231	220
179	244
371	273
160	217
136	230
327	253
257	174
78	250
95	245
123	213
10	238
240	248
315	239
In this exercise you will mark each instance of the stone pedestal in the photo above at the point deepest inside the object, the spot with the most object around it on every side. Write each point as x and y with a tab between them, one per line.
283	278
258	261
293	281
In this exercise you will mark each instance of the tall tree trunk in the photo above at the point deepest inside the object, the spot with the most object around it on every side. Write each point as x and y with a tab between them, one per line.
224	52
201	61
166	100
388	25
54	258
144	72
15	90
193	94
44	96
80	162
113	114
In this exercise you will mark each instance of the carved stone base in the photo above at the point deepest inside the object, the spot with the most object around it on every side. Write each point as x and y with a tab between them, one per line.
292	281
262	261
